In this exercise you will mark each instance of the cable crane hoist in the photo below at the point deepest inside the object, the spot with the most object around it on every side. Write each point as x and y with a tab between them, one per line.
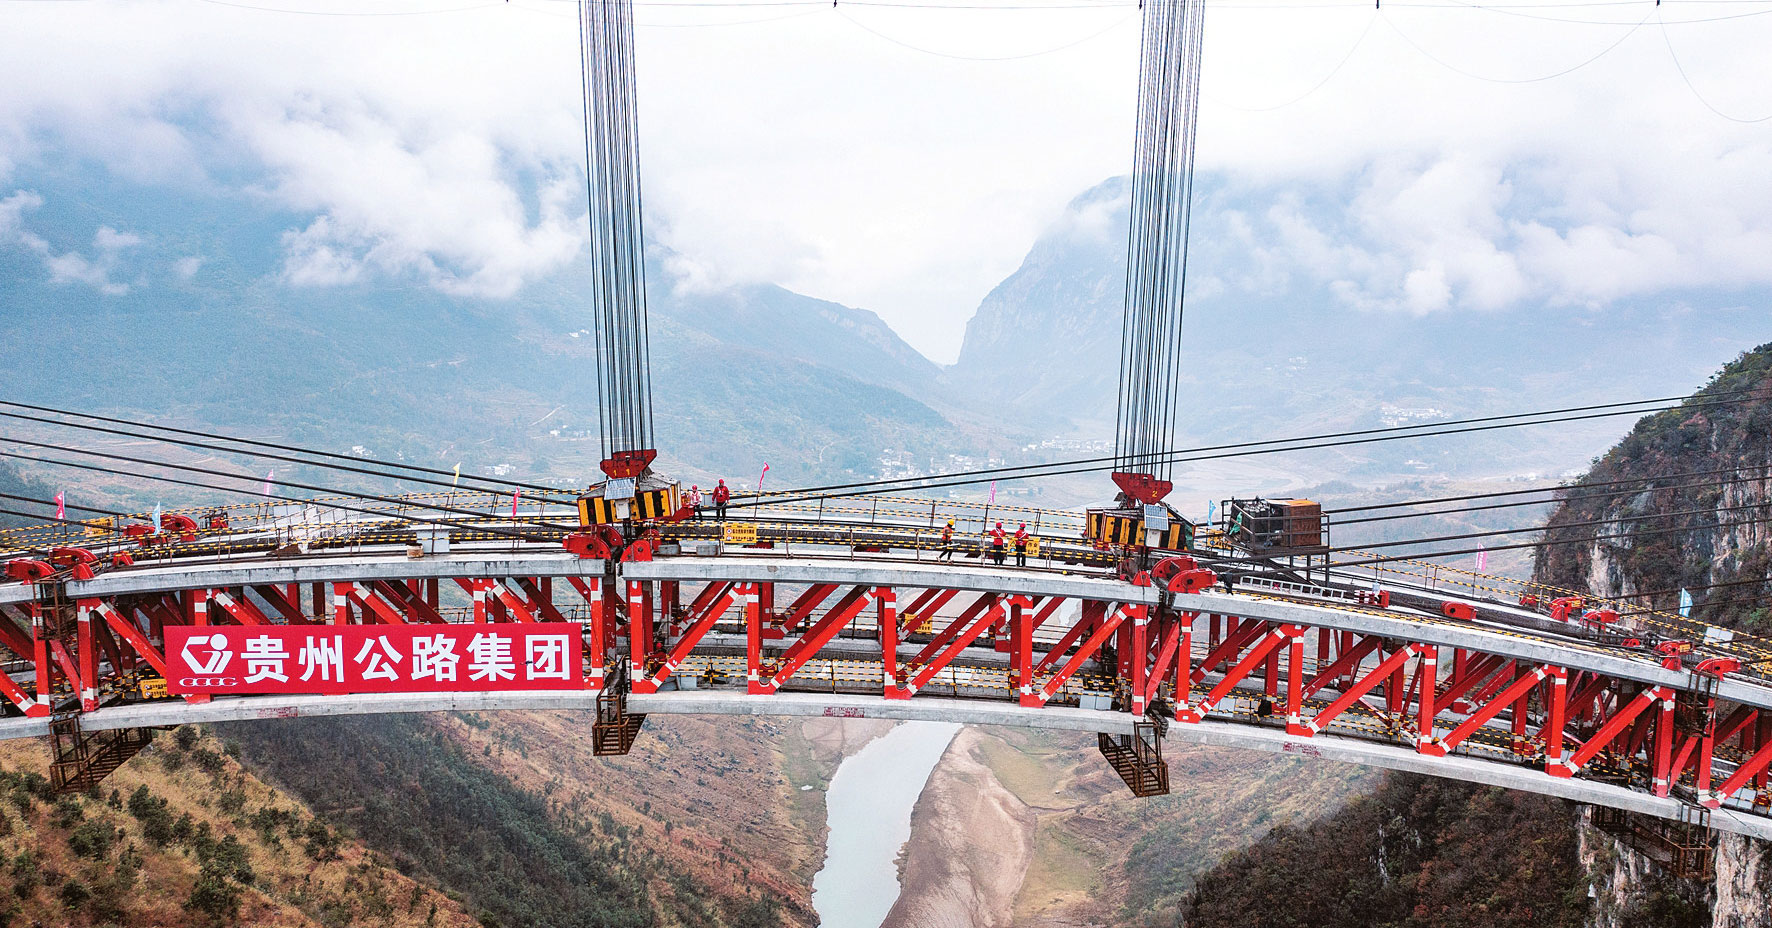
632	495
1139	521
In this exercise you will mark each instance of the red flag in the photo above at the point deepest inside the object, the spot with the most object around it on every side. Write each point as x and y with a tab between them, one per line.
760	477
514	495
61	505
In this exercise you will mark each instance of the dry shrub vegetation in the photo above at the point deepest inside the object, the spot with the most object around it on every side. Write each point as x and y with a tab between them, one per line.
183	835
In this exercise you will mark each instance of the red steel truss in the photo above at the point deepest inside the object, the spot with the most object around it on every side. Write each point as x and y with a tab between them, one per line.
1143	658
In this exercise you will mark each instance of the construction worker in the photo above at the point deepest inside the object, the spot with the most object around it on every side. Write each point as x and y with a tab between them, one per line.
998	546
721	497
947	541
1021	545
695	500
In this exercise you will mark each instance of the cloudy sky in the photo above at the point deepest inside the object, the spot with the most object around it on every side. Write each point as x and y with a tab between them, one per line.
901	156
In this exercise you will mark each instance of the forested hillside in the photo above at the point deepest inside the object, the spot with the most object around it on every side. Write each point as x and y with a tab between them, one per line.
1417	853
511	811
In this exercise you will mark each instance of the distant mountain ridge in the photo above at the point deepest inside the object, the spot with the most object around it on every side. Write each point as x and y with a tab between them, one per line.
182	312
1271	350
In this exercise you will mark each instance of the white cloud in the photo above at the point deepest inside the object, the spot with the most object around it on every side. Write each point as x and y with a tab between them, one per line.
187	267
822	150
12	222
68	267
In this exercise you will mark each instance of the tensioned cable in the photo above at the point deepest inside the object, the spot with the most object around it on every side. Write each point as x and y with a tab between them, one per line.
158	478
1706	485
43	518
1158	226
1008	470
1495	533
330	491
1707	604
612	178
1693	589
1089	37
1688	81
1531	544
498	485
464	526
1182	457
1087	465
1319	85
65	505
1555	488
1526	80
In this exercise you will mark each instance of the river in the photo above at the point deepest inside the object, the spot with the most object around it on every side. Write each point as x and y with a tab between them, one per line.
868	810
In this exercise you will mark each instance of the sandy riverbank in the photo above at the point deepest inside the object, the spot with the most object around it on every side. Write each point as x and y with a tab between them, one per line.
947	882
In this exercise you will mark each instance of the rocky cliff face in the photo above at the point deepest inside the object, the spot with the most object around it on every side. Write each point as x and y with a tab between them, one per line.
1627	890
1744	874
1696	515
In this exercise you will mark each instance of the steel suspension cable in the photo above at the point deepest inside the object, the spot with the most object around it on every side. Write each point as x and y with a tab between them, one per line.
95	468
507	488
1623	520
1555	488
1245	449
258	444
1529	544
1704	485
1115	460
190	468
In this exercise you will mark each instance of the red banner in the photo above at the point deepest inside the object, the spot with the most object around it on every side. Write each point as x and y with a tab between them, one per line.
334	659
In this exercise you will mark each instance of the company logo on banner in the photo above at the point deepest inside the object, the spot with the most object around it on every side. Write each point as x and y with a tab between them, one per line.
335	659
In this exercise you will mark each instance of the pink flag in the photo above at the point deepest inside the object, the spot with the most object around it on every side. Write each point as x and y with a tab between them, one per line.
514	495
61	505
267	489
1482	559
993	491
760	477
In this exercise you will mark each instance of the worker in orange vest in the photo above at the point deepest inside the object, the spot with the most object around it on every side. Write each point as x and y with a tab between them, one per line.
947	541
998	548
721	496
1021	545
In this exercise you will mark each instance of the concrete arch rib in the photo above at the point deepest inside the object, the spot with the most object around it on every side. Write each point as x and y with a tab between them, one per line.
971	712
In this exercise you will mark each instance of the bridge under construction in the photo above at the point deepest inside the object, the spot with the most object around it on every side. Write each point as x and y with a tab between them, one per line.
1249	629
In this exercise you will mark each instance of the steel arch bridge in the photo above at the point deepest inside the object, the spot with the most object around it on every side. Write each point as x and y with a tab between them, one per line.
833	610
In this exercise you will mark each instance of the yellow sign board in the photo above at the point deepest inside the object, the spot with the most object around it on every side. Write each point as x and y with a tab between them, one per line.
1033	546
739	533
